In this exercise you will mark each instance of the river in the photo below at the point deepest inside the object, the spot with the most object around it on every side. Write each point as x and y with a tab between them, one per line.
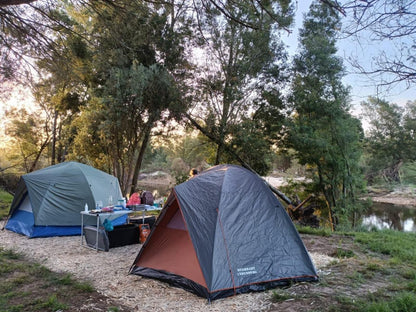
389	216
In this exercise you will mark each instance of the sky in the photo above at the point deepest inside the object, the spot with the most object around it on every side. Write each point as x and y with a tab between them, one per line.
361	87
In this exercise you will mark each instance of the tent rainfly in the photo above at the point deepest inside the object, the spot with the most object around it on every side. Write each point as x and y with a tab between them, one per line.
222	233
48	201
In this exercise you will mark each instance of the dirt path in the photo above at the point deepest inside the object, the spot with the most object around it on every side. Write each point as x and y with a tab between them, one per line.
107	271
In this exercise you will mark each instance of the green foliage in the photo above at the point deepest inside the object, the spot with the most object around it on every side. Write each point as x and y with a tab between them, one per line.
5	203
30	138
407	173
322	132
248	141
390	140
242	74
103	97
156	158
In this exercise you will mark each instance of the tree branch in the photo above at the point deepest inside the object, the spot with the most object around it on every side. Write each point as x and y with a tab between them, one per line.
4	3
229	150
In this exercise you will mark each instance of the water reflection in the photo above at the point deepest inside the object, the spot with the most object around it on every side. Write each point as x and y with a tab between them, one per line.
389	216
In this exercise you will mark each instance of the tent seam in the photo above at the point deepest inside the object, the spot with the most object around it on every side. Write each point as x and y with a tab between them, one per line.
190	239
227	252
84	176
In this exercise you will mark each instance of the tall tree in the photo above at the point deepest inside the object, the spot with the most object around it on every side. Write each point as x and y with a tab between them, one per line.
30	135
322	132
241	60
131	82
390	138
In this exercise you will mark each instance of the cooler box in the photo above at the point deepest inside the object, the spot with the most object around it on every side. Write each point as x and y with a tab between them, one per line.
122	235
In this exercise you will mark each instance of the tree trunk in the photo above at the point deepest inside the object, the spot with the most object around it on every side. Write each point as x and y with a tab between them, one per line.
53	147
219	152
328	199
35	162
139	161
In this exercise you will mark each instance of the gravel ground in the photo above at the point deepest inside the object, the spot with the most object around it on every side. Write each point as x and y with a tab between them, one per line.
108	273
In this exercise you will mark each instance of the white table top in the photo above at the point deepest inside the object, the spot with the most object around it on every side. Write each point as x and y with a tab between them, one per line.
110	215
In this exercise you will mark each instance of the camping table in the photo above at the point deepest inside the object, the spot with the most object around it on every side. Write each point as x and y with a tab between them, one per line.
101	216
144	208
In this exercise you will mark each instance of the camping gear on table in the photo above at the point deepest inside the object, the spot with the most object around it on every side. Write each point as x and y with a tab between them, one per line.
48	201
221	233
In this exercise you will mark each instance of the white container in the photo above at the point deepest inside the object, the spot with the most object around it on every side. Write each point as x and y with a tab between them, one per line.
122	202
86	207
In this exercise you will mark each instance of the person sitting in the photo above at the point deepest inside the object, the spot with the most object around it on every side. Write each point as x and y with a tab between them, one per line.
134	199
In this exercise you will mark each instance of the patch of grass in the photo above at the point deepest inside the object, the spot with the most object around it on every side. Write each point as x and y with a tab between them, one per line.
314	231
399	245
343	253
279	296
344	303
50	304
408	274
411	286
64	280
27	286
5	202
8	254
374	267
402	302
84	287
357	278
345	300
369	270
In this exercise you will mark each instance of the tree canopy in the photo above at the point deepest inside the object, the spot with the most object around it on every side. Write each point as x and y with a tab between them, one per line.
390	139
241	63
323	133
111	78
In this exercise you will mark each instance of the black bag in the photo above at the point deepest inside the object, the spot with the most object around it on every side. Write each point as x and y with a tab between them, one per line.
147	198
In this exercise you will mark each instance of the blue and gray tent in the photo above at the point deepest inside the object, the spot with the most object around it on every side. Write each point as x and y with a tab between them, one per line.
221	233
48	201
